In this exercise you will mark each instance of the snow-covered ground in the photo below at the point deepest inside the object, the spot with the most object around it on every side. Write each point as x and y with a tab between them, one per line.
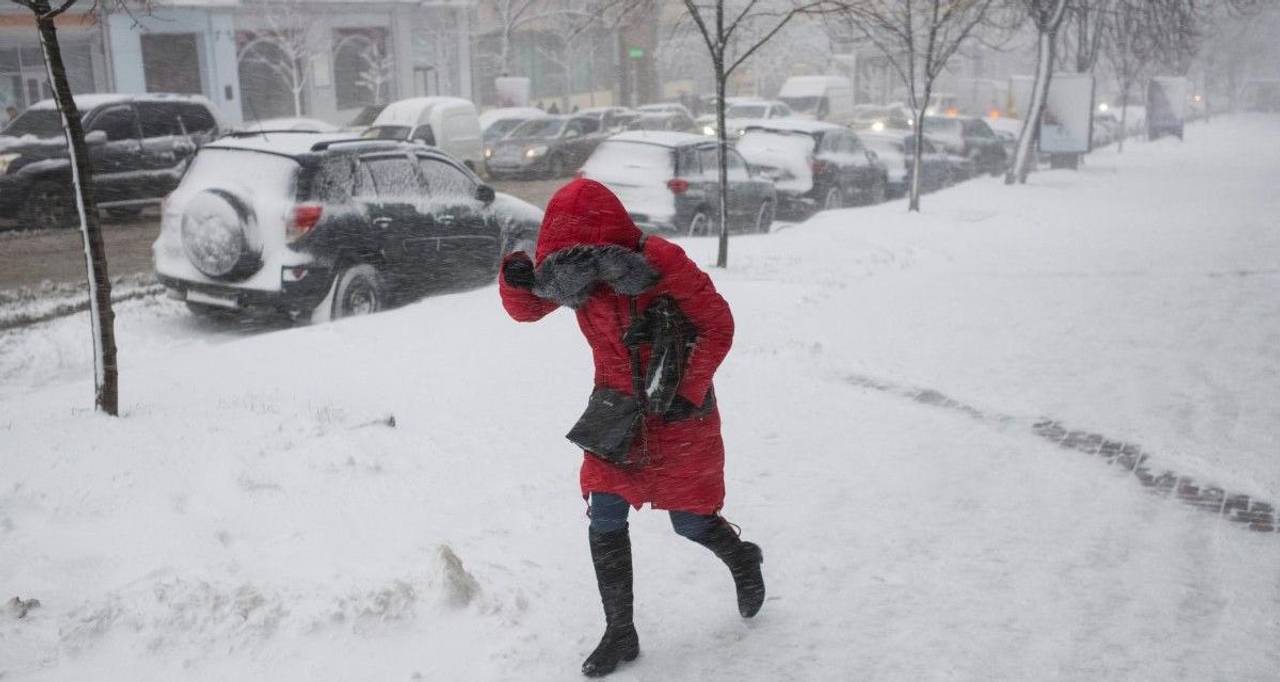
253	515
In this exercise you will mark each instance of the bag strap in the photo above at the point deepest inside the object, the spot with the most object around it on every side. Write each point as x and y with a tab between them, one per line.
637	373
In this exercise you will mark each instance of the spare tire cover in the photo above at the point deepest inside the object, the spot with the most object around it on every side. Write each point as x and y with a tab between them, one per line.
215	237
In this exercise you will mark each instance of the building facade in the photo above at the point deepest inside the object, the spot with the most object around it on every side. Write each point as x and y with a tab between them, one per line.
254	59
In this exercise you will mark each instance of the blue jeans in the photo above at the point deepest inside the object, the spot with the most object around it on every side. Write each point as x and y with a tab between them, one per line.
609	513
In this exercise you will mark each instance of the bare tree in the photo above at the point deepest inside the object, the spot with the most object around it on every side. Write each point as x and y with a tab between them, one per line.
1047	17
377	70
287	45
733	31
917	38
1084	31
101	316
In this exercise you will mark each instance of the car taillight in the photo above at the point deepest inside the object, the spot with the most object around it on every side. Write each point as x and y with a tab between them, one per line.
304	218
678	185
816	167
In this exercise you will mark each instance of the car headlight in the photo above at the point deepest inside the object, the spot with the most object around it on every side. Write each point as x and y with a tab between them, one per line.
877	126
5	160
488	152
535	152
708	130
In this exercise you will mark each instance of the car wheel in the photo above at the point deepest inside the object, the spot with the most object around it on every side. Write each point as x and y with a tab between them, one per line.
834	199
700	224
359	291
764	218
219	235
49	206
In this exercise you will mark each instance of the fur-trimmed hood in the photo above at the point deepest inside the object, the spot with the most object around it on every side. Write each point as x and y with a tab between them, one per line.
585	213
568	276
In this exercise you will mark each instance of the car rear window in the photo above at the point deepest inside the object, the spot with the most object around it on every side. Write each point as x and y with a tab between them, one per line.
775	142
214	168
630	162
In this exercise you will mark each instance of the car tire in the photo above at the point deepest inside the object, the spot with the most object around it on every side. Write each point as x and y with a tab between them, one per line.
49	206
219	236
764	218
359	290
699	224
834	199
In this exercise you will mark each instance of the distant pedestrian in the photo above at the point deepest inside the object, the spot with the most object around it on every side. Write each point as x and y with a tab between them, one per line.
553	109
10	113
638	300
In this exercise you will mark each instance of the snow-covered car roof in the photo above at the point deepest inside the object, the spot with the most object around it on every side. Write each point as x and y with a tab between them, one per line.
659	137
286	143
314	125
410	112
95	100
791	125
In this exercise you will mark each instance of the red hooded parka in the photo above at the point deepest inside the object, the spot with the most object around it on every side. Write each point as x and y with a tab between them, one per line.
685	470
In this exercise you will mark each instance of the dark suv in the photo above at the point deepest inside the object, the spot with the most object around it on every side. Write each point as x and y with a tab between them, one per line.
324	225
139	146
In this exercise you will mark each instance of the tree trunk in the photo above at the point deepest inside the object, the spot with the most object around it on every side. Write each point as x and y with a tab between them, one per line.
722	136
913	204
1022	160
1124	116
297	102
102	318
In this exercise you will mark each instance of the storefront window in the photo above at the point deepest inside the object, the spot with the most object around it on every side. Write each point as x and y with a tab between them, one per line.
363	70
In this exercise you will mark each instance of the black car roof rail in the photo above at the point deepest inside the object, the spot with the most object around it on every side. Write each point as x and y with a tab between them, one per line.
325	144
252	133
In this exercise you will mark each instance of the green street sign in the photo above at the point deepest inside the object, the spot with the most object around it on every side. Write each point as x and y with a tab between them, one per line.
635	52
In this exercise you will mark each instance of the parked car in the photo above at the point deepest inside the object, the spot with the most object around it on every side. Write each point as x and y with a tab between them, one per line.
896	150
742	111
609	119
450	123
496	123
664	108
879	117
356	225
971	138
814	165
551	147
673	121
822	98
669	183
139	147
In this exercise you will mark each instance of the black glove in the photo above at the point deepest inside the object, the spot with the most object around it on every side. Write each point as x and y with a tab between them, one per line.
680	410
518	271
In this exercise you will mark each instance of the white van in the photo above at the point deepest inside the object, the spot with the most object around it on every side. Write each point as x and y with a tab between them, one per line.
448	123
823	98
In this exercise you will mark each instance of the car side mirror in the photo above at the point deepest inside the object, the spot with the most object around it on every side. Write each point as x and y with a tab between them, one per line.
95	137
485	194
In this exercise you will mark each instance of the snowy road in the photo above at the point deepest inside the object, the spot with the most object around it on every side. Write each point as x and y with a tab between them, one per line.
252	517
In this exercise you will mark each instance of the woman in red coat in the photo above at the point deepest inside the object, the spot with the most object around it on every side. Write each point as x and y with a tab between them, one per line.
593	259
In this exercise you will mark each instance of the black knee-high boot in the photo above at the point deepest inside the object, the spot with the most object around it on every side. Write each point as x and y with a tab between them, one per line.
611	554
743	560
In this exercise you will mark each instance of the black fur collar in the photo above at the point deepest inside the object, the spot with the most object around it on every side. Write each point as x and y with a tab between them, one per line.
568	276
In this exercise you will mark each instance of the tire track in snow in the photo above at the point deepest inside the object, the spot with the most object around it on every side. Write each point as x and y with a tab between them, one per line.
1249	512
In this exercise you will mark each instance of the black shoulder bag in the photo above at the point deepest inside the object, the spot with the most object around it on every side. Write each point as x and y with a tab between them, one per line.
612	420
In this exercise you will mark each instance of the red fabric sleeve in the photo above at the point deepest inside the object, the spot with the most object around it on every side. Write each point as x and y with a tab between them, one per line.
706	309
520	303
